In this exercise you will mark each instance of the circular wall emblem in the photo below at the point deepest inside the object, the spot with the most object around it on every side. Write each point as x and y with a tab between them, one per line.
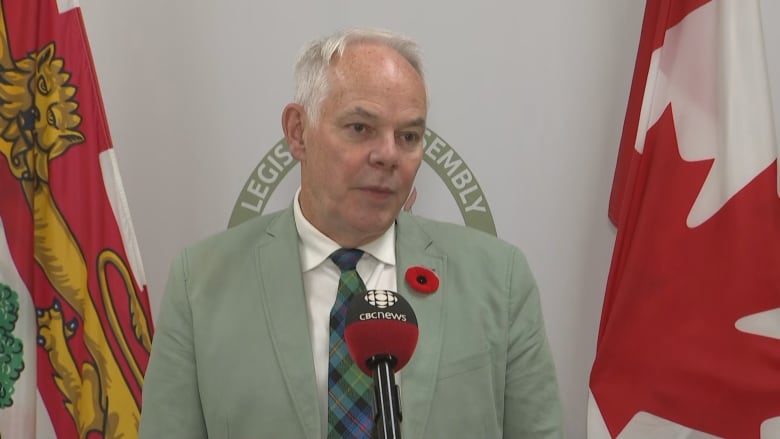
438	154
381	298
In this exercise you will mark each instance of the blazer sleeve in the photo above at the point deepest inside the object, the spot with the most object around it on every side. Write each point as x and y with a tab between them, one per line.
171	402
532	401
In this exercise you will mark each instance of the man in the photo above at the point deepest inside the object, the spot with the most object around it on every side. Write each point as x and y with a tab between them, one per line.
243	338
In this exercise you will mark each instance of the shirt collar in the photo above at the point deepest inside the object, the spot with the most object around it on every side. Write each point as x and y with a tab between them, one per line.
316	247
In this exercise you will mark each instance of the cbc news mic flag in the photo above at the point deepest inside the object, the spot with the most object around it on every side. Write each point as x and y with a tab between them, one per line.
75	327
689	342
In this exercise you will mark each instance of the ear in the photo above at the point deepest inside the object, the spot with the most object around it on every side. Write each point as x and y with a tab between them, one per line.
293	125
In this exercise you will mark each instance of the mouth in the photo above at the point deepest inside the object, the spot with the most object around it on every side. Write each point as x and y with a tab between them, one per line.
27	121
380	193
378	189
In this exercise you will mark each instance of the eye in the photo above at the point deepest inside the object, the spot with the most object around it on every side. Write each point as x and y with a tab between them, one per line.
410	137
43	87
358	127
51	118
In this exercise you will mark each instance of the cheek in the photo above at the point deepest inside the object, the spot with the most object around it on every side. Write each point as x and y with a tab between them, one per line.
410	167
351	162
325	161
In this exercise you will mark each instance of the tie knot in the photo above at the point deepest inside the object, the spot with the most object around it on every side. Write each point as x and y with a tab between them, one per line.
346	258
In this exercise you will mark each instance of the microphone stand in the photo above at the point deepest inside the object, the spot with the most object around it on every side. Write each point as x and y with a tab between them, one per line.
387	405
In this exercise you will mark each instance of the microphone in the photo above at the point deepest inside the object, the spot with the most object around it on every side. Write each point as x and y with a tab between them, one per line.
381	334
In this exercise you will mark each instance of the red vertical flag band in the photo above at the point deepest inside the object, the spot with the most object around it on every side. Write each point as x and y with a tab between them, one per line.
75	326
689	341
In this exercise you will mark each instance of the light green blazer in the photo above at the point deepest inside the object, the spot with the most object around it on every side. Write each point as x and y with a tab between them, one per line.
231	357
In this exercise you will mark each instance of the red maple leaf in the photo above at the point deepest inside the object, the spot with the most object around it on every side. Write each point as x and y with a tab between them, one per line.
668	344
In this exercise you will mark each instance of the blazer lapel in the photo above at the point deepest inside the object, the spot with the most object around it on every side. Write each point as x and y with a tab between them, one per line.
284	304
418	378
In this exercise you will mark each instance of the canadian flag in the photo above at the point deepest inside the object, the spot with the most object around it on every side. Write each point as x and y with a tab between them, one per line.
689	341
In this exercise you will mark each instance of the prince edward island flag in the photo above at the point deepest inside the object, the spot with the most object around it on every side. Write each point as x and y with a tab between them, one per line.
75	328
689	342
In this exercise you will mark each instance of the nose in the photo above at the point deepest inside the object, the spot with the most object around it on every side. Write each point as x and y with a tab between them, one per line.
385	152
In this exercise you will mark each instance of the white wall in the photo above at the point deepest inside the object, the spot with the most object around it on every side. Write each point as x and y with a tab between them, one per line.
531	94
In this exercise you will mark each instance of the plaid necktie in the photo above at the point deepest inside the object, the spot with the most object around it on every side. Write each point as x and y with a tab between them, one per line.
349	389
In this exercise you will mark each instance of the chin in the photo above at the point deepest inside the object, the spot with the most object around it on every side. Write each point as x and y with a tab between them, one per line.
376	226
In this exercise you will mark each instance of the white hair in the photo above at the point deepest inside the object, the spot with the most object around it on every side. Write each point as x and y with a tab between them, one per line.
311	69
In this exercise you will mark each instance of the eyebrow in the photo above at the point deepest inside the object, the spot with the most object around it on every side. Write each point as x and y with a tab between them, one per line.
419	122
362	112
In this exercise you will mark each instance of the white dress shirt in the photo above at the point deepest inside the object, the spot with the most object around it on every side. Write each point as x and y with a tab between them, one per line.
320	283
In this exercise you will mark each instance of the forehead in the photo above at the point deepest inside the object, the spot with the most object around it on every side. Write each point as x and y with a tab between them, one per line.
376	74
366	57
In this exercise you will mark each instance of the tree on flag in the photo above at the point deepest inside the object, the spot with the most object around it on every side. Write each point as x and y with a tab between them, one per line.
689	341
75	327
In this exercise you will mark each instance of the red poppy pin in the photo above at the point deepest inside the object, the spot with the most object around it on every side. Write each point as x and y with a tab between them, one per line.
422	279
